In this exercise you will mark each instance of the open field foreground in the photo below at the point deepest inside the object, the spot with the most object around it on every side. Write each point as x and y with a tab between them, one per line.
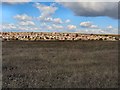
60	64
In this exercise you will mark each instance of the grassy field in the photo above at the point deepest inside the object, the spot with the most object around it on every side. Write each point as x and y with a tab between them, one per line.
78	64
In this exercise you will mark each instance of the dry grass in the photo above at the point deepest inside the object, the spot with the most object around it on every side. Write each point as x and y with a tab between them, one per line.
78	64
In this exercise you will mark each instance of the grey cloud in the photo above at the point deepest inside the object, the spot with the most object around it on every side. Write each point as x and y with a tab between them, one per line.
93	9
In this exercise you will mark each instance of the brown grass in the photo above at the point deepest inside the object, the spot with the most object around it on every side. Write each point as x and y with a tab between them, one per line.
65	64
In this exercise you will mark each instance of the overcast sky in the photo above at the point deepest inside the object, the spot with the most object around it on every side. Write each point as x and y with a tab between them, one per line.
83	17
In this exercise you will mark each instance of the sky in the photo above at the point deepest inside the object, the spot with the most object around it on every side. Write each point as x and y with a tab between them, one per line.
80	17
